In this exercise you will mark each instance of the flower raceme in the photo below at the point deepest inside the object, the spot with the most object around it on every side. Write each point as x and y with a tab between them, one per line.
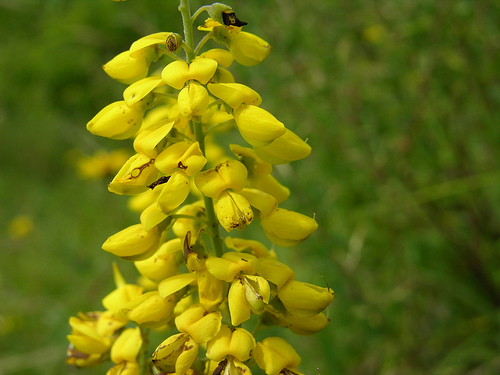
205	290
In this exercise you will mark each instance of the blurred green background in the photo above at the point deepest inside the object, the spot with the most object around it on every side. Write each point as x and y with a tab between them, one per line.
400	102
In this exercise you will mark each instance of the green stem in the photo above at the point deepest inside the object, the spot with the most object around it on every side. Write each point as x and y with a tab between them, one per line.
187	22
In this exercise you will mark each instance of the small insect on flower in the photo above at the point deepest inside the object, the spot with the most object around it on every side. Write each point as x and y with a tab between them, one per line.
161	180
230	19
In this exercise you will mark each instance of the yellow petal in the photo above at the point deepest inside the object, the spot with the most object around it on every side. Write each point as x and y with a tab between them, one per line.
174	192
222	56
233	211
126	68
200	324
287	228
276	272
148	41
160	266
131	241
257	126
232	263
152	216
248	246
274	354
176	74
235	94
202	69
228	175
150	310
304	299
284	149
119	297
175	283
127	346
237	342
248	49
141	88
238	306
264	202
210	289
135	175
192	100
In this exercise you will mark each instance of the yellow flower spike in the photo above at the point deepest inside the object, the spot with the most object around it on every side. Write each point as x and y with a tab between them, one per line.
126	68
176	354
119	121
275	356
253	247
138	90
152	216
150	310
257	292
228	175
239	308
231	263
257	126
304	299
287	228
262	201
200	324
134	177
184	155
248	49
210	289
222	56
124	368
175	283
193	100
119	297
85	337
127	346
289	147
178	72
132	241
174	192
237	342
163	264
233	211
276	272
235	94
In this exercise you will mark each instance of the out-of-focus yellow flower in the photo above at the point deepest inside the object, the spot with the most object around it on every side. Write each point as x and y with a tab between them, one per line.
102	163
126	347
86	338
125	368
133	243
20	226
275	356
237	342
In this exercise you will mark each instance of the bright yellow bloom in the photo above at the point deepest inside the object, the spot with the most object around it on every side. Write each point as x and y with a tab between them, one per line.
304	299
126	68
275	356
182	226
149	310
175	283
235	94
222	56
178	72
186	156
247	294
228	175
211	291
176	354
276	272
232	263
151	139
257	126
138	90
248	49
249	246
284	149
119	121
233	211
85	337
164	263
135	175
133	243
174	192
124	368
122	295
193	100
199	323
262	201
127	346
237	342
287	228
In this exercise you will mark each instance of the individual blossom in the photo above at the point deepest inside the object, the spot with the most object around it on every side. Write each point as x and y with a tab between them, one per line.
124	352
275	356
177	73
133	243
134	176
304	299
176	354
231	347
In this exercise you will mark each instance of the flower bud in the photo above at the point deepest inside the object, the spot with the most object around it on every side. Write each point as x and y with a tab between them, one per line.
176	354
287	228
126	68
134	177
248	49
132	242
257	126
173	42
304	299
274	355
233	211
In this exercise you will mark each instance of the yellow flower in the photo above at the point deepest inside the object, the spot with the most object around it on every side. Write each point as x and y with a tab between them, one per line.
275	356
222	56
122	295
133	243
126	68
211	291
178	72
192	100
127	346
184	155
228	175
248	49
174	192
237	343
233	211
304	299
176	354
232	263
151	139
235	94
164	263
119	121
150	310
287	228
124	368
284	149
85	337
247	294
257	126
276	272
138	90
134	176
199	323
253	247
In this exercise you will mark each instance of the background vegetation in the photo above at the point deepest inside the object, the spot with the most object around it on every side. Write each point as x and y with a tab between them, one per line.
400	102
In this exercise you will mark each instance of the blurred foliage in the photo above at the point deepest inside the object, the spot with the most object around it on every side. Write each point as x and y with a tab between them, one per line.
400	102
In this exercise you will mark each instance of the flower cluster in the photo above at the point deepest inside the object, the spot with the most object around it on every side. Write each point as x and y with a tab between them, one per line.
206	290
